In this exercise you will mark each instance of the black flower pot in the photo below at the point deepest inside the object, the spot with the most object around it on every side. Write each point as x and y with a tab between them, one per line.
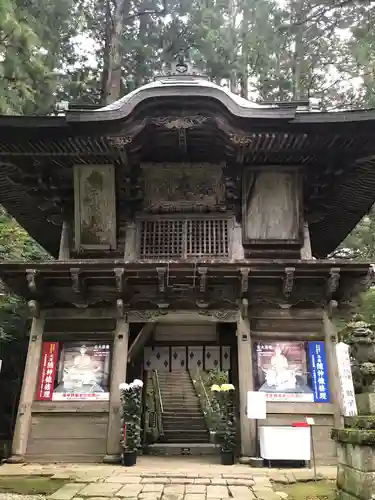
227	458
129	459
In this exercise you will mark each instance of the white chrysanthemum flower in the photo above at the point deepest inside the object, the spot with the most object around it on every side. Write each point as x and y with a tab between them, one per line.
137	383
124	386
227	387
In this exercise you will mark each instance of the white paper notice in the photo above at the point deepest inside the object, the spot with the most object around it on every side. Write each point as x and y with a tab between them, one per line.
256	405
348	402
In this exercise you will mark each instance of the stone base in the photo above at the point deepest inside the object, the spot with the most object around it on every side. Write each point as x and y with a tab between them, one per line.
366	403
112	459
256	462
15	459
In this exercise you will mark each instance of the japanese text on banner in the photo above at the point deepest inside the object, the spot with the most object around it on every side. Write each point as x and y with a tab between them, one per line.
48	371
319	373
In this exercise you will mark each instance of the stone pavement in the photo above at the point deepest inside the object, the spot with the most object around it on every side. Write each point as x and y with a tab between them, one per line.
166	478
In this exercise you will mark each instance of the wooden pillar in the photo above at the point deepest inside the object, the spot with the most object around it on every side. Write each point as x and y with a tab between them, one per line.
118	375
330	341
64	251
29	385
130	252
246	383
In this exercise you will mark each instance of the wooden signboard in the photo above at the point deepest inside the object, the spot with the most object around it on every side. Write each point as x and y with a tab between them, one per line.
95	207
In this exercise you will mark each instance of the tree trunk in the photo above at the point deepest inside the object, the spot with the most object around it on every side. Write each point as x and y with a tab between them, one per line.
111	77
297	16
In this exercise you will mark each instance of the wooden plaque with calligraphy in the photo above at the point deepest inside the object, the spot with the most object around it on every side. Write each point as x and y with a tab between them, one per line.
183	187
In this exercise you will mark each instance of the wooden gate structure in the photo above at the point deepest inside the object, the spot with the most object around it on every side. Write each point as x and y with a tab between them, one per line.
181	204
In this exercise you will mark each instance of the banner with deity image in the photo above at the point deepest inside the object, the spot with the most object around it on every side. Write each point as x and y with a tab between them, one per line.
282	371
83	372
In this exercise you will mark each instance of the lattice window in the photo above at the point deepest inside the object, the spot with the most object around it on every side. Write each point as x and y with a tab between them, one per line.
187	238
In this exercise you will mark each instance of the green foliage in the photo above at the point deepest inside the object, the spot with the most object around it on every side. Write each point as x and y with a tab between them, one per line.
131	402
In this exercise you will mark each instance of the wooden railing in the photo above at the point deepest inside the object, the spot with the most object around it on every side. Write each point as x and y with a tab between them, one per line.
209	413
158	404
153	423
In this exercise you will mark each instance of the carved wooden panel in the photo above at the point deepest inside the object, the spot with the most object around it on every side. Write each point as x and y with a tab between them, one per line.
179	361
184	238
212	357
271	206
195	357
182	187
225	358
95	207
156	358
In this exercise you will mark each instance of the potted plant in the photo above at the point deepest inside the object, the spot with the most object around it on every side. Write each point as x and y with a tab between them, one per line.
131	402
224	398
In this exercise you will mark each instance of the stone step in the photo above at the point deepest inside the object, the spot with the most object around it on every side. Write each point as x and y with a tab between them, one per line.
183	425
183	449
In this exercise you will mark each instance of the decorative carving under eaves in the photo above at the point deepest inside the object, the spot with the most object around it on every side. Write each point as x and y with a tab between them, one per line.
240	140
182	187
179	122
119	142
333	281
31	280
34	308
147	315
224	315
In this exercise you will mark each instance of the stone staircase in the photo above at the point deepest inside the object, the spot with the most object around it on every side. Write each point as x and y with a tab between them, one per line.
183	419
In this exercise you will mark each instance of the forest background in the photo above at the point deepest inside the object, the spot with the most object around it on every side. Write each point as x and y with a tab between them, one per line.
94	51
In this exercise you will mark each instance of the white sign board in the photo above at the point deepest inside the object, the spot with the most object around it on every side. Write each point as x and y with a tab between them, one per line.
256	405
349	405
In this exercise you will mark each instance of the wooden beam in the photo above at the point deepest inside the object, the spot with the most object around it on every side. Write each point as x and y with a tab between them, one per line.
140	340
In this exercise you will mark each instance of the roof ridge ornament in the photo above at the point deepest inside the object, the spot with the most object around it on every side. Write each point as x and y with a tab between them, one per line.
182	66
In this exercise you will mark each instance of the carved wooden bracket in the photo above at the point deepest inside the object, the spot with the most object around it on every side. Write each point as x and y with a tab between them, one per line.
31	278
122	286
120	279
120	309
34	308
78	282
288	282
162	287
333	281
162	274
244	308
202	301
244	280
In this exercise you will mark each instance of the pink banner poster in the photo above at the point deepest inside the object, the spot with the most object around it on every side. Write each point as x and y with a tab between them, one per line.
48	367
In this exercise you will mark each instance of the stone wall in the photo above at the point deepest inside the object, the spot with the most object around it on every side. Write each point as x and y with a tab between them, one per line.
356	463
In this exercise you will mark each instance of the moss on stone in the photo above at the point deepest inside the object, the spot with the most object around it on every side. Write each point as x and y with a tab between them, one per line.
354	436
361	422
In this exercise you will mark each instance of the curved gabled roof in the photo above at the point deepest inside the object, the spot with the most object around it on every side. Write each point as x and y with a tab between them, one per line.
178	119
174	86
